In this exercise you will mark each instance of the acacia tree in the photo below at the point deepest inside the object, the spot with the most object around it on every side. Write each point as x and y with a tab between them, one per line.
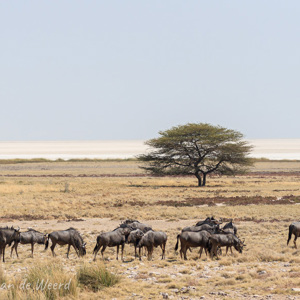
197	149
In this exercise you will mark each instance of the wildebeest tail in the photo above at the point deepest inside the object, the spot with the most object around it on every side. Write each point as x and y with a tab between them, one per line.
176	246
47	242
290	233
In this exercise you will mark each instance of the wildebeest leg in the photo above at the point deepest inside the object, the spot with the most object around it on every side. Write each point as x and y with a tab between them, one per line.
150	250
201	249
32	246
118	251
184	250
231	250
140	254
69	246
3	254
135	252
52	248
102	250
77	252
163	251
226	250
14	246
213	251
181	251
295	241
122	251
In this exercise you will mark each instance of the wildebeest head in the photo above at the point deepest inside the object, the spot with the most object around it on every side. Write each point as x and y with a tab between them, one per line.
239	245
126	231
82	250
16	235
135	235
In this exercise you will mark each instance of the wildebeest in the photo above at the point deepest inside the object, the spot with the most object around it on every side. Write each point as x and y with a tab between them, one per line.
153	239
225	240
294	228
134	238
115	238
190	239
29	237
230	227
70	237
7	236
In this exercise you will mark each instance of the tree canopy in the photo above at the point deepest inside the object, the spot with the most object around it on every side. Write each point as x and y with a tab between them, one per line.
197	149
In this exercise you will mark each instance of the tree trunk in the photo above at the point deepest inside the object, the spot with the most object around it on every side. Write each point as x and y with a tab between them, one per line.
199	178
204	179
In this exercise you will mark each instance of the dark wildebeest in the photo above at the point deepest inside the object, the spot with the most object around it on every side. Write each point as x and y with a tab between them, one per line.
29	237
115	238
208	220
205	227
225	240
294	228
153	239
190	239
7	236
134	238
230	227
70	237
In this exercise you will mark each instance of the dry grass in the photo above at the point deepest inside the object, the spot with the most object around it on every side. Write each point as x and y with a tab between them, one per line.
95	196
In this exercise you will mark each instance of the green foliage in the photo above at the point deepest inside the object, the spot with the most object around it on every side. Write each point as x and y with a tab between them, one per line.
197	149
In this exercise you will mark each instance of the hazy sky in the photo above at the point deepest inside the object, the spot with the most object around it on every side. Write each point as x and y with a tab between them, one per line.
93	70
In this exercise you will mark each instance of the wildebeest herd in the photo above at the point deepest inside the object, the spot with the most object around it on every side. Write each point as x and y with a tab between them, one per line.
206	234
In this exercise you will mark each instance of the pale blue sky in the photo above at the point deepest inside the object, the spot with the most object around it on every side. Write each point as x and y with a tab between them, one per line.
93	70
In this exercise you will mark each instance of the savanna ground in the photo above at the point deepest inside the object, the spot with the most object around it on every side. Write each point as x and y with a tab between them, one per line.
95	196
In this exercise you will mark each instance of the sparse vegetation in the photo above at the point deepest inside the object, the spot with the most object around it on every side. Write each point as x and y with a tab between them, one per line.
101	194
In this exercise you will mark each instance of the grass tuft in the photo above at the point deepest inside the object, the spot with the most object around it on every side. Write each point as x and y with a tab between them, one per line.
96	277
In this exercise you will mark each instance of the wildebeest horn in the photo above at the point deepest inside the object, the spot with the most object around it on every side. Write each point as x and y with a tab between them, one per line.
17	229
